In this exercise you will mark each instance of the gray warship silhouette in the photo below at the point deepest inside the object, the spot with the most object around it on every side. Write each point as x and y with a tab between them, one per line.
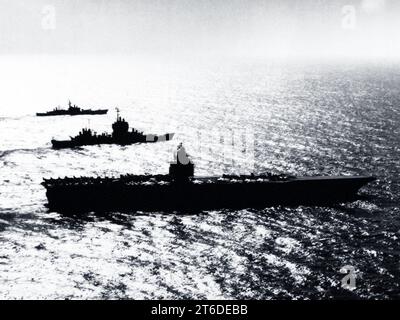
73	110
181	191
120	135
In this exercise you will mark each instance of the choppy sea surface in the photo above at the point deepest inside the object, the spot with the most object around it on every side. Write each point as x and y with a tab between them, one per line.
233	117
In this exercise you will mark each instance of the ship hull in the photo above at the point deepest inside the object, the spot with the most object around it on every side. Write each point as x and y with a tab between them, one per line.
115	196
97	140
68	113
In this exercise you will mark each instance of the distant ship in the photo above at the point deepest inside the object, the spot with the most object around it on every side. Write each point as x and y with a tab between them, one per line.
120	135
181	190
73	110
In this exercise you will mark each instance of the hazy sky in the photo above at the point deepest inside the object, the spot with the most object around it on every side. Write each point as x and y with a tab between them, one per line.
201	27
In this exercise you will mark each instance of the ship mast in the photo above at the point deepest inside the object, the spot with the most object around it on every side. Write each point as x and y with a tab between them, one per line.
117	109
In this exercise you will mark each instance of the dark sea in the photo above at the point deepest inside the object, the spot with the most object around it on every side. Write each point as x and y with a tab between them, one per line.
305	118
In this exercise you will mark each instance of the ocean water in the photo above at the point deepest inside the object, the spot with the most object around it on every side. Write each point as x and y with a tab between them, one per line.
233	117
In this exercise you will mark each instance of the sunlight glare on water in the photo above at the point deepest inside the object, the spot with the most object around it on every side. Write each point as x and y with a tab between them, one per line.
233	117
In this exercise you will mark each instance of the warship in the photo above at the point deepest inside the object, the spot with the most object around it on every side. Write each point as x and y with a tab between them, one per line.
73	110
180	190
120	135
